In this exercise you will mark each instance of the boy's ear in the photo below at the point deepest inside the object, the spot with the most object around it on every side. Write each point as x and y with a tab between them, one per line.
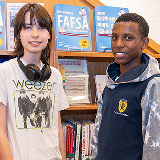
145	43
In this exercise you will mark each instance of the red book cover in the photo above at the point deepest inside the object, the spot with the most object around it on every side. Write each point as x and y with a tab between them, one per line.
67	140
89	142
71	140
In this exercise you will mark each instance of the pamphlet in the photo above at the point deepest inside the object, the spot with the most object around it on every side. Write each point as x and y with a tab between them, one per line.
2	26
75	79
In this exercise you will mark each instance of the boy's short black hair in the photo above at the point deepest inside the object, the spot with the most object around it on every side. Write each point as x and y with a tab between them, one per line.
43	19
133	17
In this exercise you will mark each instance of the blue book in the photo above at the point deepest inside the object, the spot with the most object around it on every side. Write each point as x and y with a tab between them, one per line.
72	28
4	58
2	26
104	19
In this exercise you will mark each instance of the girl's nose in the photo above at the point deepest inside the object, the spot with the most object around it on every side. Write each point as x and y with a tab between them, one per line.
35	33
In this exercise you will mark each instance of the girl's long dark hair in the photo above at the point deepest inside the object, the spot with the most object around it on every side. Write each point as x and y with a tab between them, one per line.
43	19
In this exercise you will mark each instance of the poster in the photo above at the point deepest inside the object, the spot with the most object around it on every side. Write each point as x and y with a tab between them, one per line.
2	26
75	79
104	19
72	28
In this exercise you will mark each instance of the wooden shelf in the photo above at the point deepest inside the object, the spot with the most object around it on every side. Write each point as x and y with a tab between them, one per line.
93	54
83	107
6	52
79	54
83	54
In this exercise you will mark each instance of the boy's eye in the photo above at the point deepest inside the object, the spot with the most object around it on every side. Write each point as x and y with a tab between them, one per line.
128	38
114	37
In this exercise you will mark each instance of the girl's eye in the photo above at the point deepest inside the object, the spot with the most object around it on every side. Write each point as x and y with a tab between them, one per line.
28	27
41	28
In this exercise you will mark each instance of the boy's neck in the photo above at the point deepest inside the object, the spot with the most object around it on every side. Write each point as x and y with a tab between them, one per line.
126	67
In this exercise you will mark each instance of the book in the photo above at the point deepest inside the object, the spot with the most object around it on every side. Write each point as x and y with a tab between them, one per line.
74	124
83	141
91	128
2	26
64	132
72	28
67	140
71	141
78	139
104	19
86	139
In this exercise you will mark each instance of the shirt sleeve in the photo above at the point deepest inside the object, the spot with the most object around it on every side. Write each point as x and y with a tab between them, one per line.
151	120
94	140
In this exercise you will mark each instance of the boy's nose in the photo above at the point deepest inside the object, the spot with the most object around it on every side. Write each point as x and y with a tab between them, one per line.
120	43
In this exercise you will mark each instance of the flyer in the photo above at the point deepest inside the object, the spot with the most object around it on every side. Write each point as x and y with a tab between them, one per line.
100	81
2	26
75	79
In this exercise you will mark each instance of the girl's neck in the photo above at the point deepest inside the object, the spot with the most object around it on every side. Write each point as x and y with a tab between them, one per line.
32	59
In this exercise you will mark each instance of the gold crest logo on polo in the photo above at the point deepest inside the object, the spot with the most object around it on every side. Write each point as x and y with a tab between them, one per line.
122	105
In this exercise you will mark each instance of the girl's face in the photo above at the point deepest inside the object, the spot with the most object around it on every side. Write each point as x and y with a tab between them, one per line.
33	37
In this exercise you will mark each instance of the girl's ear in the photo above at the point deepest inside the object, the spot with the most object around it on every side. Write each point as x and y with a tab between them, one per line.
145	43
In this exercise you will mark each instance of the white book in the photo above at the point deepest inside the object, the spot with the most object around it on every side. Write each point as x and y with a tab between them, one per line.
83	141
78	136
86	138
64	132
91	128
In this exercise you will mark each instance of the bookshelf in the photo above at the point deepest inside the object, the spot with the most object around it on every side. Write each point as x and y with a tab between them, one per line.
97	62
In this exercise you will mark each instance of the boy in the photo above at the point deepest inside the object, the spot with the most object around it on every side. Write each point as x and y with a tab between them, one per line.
127	125
31	94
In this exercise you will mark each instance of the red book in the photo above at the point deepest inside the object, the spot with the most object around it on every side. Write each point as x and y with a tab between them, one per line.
71	140
67	140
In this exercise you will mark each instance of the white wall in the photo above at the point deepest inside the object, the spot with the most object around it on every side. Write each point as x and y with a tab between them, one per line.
149	9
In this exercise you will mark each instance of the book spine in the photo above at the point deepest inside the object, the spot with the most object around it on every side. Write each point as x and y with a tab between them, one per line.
67	141
77	142
87	140
64	132
71	141
83	142
89	153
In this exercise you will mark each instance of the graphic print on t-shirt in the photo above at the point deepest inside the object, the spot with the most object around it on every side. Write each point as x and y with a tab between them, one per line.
33	108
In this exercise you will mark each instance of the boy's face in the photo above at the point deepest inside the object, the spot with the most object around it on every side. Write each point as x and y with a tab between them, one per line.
127	44
33	37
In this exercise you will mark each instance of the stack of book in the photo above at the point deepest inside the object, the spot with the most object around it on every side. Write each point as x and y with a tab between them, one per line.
77	138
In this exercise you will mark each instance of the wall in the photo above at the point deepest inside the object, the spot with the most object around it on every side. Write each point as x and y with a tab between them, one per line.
149	9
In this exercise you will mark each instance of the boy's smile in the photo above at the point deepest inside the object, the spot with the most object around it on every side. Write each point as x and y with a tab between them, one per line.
127	44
